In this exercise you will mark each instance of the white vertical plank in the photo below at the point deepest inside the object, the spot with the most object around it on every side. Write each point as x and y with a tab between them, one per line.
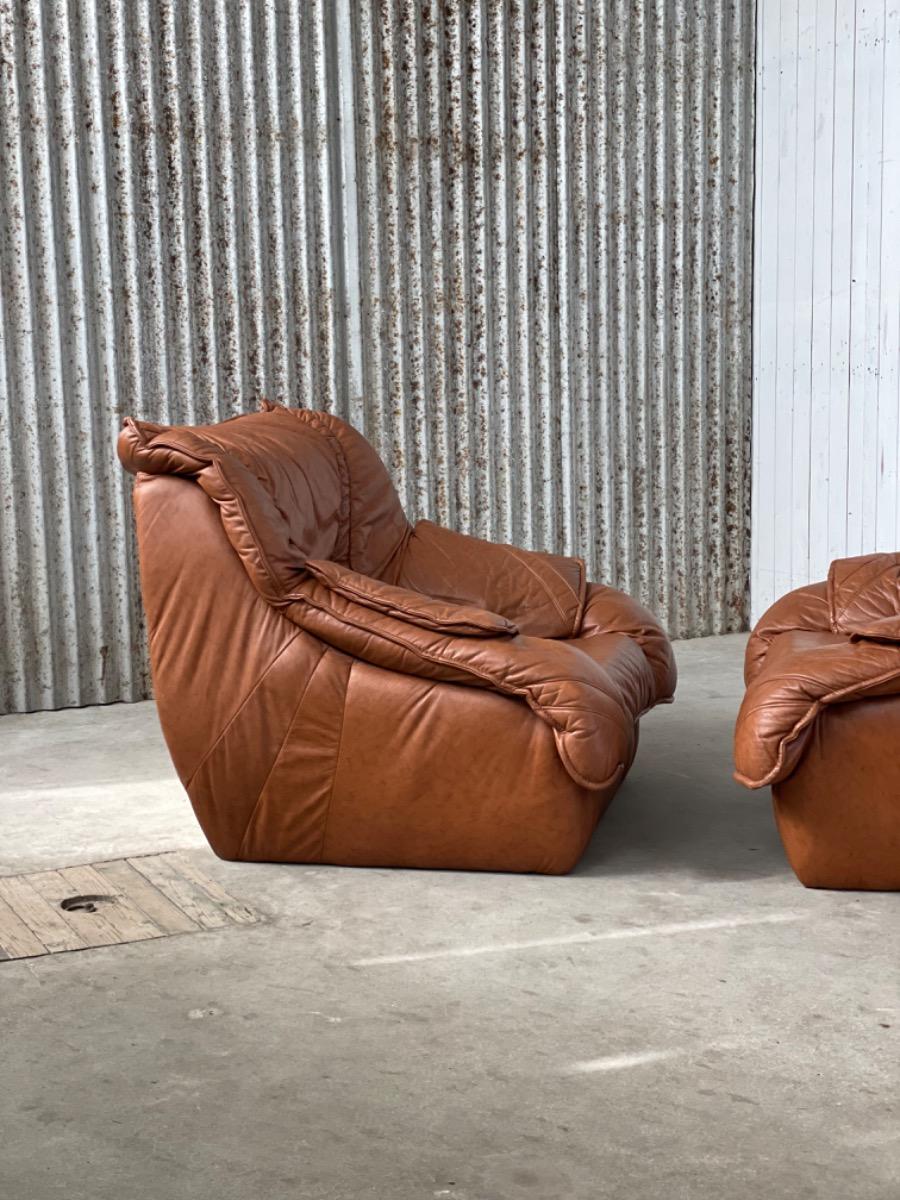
785	293
865	276
826	404
823	229
349	225
887	516
764	311
837	499
804	209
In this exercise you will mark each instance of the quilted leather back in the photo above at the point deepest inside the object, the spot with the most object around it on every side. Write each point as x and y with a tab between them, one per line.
290	484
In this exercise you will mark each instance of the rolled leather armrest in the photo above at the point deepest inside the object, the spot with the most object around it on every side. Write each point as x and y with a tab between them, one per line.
438	615
607	610
570	691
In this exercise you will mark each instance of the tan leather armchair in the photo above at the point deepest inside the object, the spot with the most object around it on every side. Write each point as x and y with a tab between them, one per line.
336	685
820	722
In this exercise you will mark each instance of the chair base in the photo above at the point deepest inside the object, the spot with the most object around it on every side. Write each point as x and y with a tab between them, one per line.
838	814
505	848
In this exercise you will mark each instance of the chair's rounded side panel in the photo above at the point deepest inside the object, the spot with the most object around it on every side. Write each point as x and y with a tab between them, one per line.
227	667
438	775
838	813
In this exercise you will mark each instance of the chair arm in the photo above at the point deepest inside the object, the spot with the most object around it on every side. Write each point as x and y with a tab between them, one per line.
608	610
803	672
581	702
439	615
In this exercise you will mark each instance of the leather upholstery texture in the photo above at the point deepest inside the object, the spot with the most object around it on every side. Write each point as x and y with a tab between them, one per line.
838	813
337	685
820	722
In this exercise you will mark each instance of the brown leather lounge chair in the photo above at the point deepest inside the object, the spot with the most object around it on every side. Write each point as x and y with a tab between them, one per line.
821	723
338	686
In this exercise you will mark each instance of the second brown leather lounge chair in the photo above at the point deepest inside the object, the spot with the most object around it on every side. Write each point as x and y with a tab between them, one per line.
338	686
821	723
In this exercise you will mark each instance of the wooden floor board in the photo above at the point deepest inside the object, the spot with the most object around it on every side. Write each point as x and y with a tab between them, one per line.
44	921
16	939
120	876
112	903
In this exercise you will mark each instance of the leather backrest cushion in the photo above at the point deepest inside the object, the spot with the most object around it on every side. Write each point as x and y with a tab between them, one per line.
277	482
378	527
291	484
543	594
864	596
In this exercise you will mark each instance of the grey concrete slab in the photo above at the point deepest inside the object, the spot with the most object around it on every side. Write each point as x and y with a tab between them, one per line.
88	783
677	1020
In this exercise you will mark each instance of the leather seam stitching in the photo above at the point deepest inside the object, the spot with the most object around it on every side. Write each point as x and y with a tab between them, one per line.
836	615
581	779
513	551
290	726
337	761
234	716
580	595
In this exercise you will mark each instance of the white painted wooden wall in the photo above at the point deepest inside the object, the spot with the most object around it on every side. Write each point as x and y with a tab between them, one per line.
826	387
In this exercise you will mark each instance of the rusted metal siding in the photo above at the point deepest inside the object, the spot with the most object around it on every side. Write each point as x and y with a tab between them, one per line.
170	206
510	241
555	218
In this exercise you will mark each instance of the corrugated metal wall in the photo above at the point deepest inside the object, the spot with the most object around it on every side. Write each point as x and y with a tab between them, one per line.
510	241
827	313
171	179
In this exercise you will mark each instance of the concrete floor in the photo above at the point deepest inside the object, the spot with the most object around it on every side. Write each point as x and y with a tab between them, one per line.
677	1019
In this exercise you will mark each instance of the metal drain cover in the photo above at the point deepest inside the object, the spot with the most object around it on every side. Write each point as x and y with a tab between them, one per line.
110	903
